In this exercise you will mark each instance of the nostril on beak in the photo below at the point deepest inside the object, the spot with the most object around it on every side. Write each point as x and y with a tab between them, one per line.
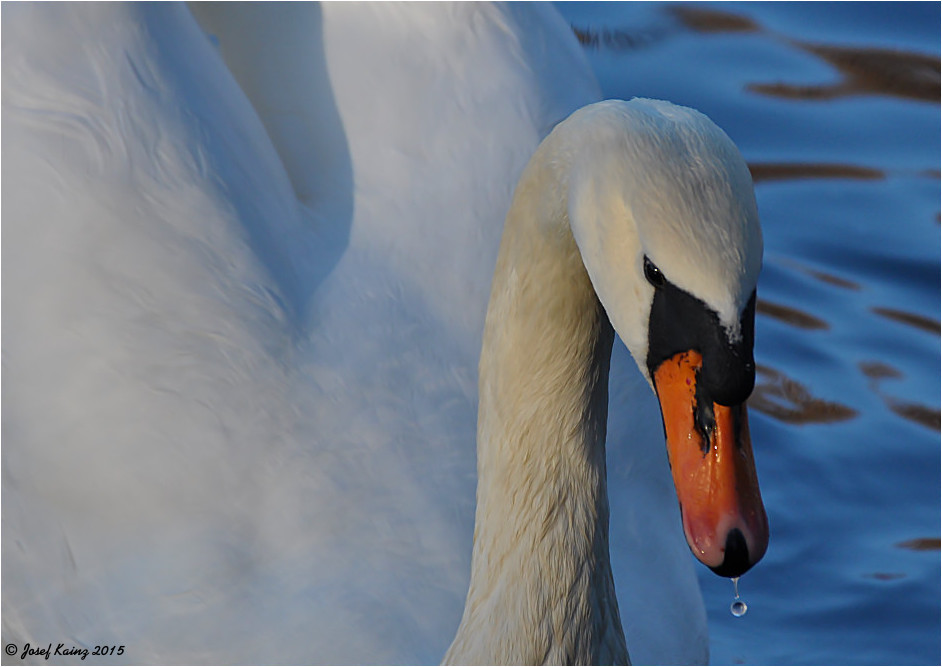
736	560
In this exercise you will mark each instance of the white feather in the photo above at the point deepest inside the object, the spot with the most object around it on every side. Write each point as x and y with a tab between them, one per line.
244	302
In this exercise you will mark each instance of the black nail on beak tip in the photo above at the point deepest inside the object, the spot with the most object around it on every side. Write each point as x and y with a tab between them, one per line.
736	561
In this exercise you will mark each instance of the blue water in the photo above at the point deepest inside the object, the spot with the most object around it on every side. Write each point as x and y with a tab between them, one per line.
836	108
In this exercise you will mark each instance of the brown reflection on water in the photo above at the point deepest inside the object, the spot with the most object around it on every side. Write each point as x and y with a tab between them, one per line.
787	400
775	171
911	319
790	315
886	576
864	71
712	20
832	279
823	276
914	412
692	18
877	372
921	544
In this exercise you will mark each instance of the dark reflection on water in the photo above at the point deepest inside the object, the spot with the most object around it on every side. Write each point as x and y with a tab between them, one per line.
787	400
780	171
922	544
917	413
823	276
912	319
634	38
790	315
866	71
871	71
829	278
712	20
877	370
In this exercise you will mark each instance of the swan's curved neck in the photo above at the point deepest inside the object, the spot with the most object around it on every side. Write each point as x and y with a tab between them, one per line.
541	582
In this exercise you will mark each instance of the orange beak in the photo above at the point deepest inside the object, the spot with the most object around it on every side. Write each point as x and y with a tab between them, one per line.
714	472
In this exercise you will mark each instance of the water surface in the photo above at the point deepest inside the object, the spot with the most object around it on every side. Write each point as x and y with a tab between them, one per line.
836	108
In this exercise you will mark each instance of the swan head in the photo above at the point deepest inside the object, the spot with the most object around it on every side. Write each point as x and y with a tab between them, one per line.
662	208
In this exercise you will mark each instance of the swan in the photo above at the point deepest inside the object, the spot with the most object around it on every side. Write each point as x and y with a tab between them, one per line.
637	216
247	279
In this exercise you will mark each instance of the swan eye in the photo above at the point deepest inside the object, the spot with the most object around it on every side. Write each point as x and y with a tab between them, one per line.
652	273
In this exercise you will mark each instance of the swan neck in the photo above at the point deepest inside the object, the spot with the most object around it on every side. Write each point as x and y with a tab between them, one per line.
541	584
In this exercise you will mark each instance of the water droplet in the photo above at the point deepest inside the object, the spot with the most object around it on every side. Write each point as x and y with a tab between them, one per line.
738	608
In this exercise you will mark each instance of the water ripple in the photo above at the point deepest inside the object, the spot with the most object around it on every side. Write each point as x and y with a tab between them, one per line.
831	279
877	372
773	171
911	319
618	39
712	20
886	576
787	400
866	71
921	544
790	315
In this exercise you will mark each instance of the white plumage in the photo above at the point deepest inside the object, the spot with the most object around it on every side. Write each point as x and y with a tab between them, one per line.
243	319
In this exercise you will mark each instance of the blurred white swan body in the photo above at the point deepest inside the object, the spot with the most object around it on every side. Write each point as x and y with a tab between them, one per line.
243	325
